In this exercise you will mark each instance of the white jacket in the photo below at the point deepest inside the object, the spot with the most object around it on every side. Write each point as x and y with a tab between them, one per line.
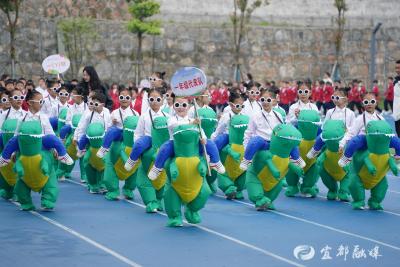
396	102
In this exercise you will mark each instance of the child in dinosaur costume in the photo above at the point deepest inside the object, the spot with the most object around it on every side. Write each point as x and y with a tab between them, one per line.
308	125
233	181
209	121
186	175
264	178
8	177
34	168
115	161
65	170
370	164
331	173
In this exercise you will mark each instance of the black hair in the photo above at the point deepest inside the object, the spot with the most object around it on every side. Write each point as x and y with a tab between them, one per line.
160	75
4	76
78	90
271	92
233	96
51	82
344	90
22	79
74	80
398	61
21	82
328	74
63	88
367	93
157	90
30	95
99	96
249	76
390	78
94	82
9	81
123	88
321	82
375	81
134	88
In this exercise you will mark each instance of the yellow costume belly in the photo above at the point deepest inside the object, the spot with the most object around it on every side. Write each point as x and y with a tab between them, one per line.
232	167
189	182
332	167
123	174
304	147
71	150
8	174
33	175
382	167
96	162
266	177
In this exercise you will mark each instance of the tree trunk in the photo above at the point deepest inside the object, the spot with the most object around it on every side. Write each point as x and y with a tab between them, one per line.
139	57
12	51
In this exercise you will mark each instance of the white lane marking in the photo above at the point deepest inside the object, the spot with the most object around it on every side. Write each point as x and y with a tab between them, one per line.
84	238
321	225
227	237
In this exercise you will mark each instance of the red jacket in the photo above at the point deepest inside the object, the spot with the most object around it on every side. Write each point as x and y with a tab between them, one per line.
356	93
284	95
219	96
293	94
327	93
138	104
389	94
375	91
114	97
316	94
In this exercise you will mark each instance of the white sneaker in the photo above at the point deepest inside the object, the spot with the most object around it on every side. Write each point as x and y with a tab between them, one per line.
66	159
154	173
299	162
101	152
344	161
3	161
244	164
312	153
130	164
218	167
61	179
80	153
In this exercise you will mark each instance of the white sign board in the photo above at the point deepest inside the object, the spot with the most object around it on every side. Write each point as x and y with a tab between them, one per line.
56	64
188	81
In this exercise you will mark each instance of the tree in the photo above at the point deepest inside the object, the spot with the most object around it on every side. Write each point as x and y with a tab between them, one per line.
140	24
77	33
240	18
340	23
11	9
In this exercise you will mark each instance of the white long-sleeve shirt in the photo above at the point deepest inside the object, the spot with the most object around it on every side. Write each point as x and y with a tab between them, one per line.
104	117
121	114
49	104
55	112
44	121
291	117
251	108
175	121
262	124
344	114
11	113
75	109
358	126
145	123
223	123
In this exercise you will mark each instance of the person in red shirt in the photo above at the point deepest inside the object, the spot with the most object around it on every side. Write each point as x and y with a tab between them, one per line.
355	96
389	95
214	96
293	92
327	96
375	91
284	96
317	93
114	95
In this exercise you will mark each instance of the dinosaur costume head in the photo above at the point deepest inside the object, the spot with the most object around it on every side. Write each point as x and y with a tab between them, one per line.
130	124
237	127
284	138
8	129
308	123
30	138
62	117
208	120
332	133
379	134
186	140
159	132
95	133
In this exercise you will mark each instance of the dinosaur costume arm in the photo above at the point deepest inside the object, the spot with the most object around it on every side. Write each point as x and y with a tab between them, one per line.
228	150
321	159
271	166
44	167
18	168
202	168
393	166
296	169
173	168
370	166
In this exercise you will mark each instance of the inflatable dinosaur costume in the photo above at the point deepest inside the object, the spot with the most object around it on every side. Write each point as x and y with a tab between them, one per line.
233	181
8	177
115	161
369	167
186	174
308	124
34	168
152	192
331	173
264	178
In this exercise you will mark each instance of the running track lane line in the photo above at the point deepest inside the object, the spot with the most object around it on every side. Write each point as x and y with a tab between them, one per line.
320	225
84	238
208	230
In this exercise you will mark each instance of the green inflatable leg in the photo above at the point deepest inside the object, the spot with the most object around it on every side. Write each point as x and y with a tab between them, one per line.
227	186
256	192
211	181
292	181
310	179
330	183
378	194
173	204
50	193
24	195
192	209
274	193
240	183
357	192
8	190
129	186
147	191
82	170
93	179
111	182
344	194
160	196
